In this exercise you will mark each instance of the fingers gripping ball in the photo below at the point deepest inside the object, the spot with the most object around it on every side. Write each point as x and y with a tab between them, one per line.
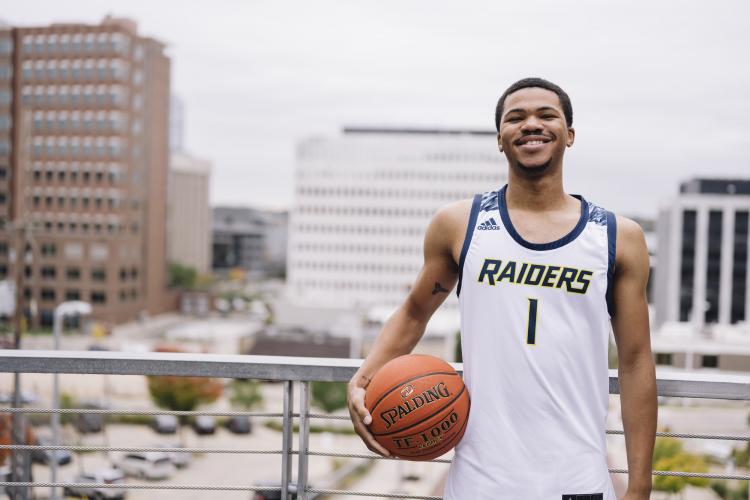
419	406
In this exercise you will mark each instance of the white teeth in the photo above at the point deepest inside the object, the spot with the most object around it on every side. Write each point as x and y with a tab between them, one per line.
535	143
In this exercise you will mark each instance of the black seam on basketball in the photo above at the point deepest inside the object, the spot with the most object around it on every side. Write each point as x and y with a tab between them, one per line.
450	402
433	450
406	382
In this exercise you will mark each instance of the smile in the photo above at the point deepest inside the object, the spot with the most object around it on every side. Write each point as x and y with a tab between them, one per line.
532	140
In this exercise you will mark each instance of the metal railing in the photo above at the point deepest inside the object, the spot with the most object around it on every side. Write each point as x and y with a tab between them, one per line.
288	370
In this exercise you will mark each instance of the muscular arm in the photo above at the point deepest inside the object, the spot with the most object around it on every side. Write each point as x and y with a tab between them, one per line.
636	366
406	326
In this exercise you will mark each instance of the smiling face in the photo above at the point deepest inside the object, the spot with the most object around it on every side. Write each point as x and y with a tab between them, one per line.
533	132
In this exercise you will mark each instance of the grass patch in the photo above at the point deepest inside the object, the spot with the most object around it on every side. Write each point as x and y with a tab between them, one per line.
314	429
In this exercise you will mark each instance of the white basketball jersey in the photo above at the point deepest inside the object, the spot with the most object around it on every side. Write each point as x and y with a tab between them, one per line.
535	325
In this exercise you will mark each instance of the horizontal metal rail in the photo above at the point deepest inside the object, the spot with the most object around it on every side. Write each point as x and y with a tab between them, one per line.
281	368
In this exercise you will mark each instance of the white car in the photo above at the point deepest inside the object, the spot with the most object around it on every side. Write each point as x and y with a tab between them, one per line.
105	476
179	458
149	465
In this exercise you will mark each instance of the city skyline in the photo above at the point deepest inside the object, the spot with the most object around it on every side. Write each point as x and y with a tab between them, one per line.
658	98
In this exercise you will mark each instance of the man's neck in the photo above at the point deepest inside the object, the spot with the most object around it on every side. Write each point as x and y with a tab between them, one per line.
540	194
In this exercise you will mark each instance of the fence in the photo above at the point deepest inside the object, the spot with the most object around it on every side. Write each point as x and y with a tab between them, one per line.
288	371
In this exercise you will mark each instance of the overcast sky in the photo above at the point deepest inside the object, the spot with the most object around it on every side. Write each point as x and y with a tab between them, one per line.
660	89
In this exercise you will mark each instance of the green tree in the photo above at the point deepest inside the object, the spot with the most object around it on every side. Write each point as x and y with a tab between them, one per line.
329	396
669	456
182	276
245	393
725	492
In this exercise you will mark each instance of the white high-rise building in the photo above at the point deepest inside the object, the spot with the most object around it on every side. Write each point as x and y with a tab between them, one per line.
363	201
188	212
702	273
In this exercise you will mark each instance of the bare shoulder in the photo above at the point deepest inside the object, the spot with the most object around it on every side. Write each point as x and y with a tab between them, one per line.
453	214
631	242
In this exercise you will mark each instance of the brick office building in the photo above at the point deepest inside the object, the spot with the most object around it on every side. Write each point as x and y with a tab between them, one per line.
83	158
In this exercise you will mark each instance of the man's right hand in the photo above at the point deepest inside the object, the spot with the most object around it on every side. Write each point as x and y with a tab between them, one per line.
361	418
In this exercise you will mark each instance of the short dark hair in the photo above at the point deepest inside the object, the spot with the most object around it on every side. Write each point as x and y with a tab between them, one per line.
542	84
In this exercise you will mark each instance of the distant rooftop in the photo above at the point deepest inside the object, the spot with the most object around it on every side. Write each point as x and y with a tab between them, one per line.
716	186
415	131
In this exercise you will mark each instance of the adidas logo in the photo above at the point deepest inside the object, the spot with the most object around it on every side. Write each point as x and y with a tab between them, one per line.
488	225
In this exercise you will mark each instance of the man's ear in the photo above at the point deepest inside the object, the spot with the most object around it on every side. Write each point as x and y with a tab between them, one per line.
499	142
571	136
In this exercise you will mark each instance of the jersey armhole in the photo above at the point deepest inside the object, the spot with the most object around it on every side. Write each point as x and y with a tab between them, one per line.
467	239
611	255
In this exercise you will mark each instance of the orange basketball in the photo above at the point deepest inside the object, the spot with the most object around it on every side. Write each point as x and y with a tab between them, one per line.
419	406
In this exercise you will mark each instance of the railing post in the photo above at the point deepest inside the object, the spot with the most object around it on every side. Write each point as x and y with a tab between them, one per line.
286	440
304	439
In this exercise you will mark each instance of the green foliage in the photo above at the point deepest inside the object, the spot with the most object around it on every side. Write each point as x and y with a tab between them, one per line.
613	359
669	456
181	276
183	393
329	396
666	447
245	394
722	489
458	355
67	401
314	429
742	457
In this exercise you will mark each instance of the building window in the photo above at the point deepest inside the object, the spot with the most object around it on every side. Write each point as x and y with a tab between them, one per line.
99	275
48	294
73	273
72	295
49	272
739	267
687	264
713	266
664	358
98	297
49	249
709	361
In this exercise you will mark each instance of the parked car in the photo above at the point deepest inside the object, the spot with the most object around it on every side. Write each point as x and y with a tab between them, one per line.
180	459
165	424
204	424
4	476
149	465
87	423
273	494
107	476
44	457
240	425
26	398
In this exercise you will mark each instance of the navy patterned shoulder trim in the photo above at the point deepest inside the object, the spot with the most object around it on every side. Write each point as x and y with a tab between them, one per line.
489	201
597	214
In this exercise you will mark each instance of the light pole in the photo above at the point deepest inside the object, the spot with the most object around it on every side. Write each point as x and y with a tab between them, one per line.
64	309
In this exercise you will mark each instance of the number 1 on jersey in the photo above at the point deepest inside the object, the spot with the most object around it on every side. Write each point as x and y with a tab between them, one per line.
531	326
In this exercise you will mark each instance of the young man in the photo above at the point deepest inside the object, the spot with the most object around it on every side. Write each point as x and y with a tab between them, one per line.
540	274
